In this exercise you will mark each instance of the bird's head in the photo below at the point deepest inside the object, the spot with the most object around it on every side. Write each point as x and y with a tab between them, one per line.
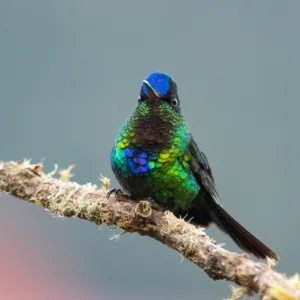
159	93
158	119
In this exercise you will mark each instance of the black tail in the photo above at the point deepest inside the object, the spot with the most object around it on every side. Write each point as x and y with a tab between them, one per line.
244	239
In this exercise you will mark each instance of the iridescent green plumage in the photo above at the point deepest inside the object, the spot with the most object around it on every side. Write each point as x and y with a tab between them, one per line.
166	156
154	156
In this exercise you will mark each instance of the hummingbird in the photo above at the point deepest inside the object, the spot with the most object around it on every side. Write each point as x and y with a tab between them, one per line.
155	157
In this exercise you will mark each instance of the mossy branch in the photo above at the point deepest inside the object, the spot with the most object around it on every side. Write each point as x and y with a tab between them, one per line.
69	199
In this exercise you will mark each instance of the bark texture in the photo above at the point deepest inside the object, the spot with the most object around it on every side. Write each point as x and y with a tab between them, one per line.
69	199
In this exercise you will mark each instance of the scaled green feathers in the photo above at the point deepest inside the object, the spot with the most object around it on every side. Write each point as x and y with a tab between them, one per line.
151	145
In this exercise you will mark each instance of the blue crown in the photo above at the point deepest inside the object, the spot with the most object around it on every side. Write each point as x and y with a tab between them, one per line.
160	82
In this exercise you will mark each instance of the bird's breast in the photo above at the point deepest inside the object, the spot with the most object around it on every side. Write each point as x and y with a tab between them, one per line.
159	175
140	162
152	131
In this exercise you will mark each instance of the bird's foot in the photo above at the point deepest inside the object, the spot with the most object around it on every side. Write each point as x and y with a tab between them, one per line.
119	195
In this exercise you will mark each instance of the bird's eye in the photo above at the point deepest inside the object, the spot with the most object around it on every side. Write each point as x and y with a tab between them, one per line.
174	101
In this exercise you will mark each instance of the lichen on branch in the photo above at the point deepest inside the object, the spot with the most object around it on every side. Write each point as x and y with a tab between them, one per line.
69	199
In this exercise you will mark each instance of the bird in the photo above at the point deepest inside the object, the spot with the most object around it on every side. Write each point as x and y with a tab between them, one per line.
155	157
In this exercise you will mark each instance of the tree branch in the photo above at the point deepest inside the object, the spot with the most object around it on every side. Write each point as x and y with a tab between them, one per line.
69	199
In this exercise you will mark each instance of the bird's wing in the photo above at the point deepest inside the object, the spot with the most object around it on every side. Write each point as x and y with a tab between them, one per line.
202	171
211	209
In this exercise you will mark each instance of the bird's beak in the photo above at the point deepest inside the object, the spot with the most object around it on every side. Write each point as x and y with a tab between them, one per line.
152	94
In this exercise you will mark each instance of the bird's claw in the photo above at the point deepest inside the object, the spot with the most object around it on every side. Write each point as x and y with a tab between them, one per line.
119	194
110	192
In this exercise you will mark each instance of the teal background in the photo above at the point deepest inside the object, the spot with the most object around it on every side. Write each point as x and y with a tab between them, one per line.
70	74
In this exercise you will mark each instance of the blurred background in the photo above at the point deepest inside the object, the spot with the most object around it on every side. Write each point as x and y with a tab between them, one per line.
70	74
